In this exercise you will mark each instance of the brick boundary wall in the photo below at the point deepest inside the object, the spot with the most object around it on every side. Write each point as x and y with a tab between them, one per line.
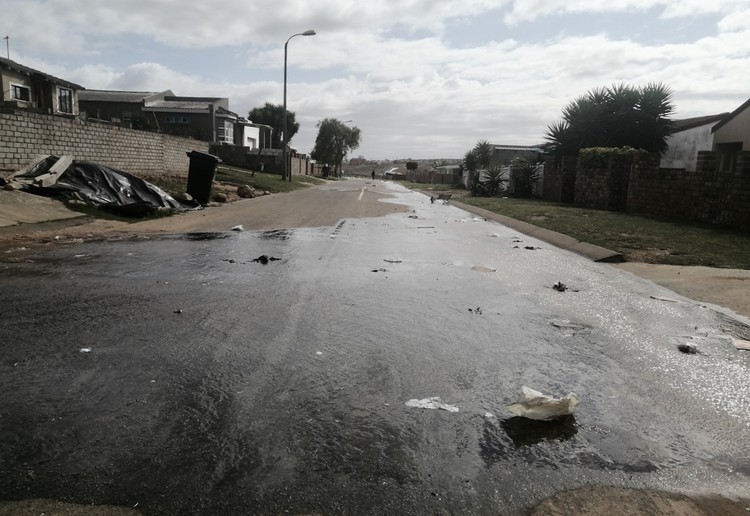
24	135
640	186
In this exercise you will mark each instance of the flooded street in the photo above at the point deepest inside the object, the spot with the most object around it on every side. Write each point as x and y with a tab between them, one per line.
187	375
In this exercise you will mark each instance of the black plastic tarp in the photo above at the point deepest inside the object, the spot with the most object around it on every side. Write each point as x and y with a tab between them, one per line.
112	189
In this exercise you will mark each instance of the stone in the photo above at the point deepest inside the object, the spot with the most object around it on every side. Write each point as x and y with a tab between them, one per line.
221	197
246	192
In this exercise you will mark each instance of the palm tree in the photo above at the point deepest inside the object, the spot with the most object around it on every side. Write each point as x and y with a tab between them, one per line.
617	116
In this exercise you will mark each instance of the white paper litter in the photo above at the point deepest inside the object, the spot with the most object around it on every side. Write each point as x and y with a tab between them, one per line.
85	350
238	227
535	405
431	403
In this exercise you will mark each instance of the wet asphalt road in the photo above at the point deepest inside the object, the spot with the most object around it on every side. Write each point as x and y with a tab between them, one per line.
217	384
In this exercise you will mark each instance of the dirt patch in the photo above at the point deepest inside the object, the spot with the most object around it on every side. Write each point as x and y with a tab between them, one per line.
617	501
729	288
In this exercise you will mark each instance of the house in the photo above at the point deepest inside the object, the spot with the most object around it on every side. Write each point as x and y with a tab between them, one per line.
689	136
29	88
123	108
201	118
730	136
253	136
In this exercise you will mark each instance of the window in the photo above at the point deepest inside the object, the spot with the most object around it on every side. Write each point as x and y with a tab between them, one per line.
178	120
226	132
65	100
20	93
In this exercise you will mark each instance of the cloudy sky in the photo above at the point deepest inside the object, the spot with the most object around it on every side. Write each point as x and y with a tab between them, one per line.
420	78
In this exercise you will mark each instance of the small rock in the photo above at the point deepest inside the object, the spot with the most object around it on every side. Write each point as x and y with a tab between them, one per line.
560	287
246	192
687	348
221	197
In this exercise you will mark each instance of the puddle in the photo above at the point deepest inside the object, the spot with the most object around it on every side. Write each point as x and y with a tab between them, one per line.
215	235
527	432
277	234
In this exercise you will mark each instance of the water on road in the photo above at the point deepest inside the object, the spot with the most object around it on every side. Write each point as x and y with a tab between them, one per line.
189	375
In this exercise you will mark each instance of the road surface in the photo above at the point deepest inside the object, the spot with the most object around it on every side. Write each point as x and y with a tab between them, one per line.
184	373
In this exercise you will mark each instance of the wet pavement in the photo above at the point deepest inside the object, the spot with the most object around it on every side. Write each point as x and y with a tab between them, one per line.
183	375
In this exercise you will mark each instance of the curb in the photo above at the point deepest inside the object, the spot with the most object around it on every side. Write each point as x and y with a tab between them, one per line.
590	251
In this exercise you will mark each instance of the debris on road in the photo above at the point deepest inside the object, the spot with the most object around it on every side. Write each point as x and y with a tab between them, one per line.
264	259
178	311
476	310
238	227
392	260
560	286
668	300
482	268
535	405
431	403
531	248
379	270
85	350
413	217
687	348
741	344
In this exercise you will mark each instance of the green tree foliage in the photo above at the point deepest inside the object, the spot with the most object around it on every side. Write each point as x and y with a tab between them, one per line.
618	116
486	173
412	165
524	175
273	115
335	139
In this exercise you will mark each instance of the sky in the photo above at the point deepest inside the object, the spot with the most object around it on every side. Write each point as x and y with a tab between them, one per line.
421	79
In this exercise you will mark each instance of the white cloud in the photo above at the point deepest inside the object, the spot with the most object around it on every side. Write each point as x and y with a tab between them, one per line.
391	67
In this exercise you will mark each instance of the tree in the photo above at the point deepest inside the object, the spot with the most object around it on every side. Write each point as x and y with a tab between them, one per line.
486	173
335	139
273	115
618	116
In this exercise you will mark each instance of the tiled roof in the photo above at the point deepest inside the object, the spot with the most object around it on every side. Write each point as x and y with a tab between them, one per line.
177	105
12	65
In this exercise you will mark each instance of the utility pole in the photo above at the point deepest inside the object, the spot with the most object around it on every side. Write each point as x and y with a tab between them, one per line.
7	45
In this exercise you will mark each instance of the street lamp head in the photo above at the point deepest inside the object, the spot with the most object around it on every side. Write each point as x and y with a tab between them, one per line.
309	32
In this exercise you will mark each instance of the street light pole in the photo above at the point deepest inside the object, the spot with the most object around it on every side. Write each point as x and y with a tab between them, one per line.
287	172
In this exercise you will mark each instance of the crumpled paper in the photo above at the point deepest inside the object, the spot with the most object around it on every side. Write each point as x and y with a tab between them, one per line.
535	405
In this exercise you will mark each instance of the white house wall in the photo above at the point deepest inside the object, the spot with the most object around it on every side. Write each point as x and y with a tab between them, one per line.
736	130
684	146
250	137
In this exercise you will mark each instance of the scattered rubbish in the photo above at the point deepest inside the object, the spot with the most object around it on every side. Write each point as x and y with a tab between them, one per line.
687	348
264	259
517	241
535	405
393	260
482	268
178	311
531	248
431	403
379	270
413	217
425	227
494	235
659	298
238	227
489	415
318	352
560	287
515	247
85	350
741	344
476	310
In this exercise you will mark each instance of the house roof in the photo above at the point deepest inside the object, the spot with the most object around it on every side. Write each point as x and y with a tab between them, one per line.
692	123
18	67
533	148
119	96
185	104
731	115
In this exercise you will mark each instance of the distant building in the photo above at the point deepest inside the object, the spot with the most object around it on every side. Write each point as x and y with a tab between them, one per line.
732	135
